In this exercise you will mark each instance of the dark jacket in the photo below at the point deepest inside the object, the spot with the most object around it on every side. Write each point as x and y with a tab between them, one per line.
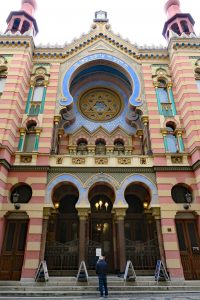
101	267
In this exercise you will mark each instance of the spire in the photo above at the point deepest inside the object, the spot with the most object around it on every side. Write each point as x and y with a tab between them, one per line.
23	21
177	21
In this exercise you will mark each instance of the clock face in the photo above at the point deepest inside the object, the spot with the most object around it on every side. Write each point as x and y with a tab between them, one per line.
100	105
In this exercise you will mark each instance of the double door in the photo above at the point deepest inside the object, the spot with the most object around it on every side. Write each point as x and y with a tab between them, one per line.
12	255
189	246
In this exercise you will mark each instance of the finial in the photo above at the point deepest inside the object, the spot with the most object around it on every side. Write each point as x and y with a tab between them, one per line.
172	7
100	16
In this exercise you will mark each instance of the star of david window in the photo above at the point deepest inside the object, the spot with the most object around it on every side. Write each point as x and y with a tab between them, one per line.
100	105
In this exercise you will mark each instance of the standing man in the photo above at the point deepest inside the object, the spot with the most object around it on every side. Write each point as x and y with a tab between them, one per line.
101	270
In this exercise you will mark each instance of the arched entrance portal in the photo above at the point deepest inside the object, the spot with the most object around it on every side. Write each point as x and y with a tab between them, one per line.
61	251
140	230
101	197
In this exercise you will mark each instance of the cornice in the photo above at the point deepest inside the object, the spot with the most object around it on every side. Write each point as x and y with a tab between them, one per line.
4	163
184	43
139	53
16	41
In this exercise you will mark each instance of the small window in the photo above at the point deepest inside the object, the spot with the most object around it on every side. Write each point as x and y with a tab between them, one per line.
30	138
100	147
38	93
162	91
185	27
175	28
24	193
25	27
172	142
16	24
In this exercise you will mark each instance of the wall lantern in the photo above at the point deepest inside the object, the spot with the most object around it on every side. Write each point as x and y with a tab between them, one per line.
188	199
100	204
145	204
15	199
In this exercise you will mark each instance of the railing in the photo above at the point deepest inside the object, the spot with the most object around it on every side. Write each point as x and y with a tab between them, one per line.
167	109
62	256
143	255
34	109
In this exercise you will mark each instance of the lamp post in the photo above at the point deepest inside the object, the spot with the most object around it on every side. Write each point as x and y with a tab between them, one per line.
15	199
188	199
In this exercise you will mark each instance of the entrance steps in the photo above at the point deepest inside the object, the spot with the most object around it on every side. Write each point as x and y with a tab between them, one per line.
68	287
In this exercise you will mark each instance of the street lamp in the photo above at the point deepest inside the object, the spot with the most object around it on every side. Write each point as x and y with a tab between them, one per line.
188	199
15	199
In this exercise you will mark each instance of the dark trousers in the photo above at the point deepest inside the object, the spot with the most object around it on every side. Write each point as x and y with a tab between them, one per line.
103	284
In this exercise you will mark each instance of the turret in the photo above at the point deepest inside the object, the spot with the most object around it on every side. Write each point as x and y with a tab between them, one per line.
23	21
177	21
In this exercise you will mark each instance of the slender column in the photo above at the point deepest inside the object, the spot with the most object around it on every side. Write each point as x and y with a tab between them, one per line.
158	99
140	135
171	97
83	217
145	120
164	133
21	140
29	100
43	100
55	134
157	217
180	141
36	146
44	232
120	214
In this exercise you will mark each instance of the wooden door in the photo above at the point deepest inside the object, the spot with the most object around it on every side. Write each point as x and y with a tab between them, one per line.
12	256
189	246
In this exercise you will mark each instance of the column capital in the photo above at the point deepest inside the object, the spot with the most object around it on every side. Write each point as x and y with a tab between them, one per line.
61	132
56	119
120	213
179	131
47	212
145	120
140	133
38	130
22	131
156	212
164	131
83	213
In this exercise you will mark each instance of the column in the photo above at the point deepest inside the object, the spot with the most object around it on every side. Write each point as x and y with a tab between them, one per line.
29	100
171	97
164	133
157	217
180	140
36	146
140	135
83	217
145	120
120	214
55	134
44	232
21	140
43	100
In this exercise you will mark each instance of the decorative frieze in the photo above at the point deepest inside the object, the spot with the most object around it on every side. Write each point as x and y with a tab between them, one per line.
124	161
177	159
101	161
78	160
59	160
26	159
143	161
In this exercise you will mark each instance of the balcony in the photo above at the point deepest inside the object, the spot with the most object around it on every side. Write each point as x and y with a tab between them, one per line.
167	109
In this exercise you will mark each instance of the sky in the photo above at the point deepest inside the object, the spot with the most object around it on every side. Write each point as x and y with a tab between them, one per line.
60	21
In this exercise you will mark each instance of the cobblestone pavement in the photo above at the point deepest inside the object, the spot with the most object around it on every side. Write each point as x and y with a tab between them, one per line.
157	296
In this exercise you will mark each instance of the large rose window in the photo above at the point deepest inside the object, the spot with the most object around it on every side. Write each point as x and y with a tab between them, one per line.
100	105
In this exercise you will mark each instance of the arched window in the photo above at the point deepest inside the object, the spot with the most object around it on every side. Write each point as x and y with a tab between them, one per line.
119	146
185	27
162	91
30	139
172	143
25	27
38	90
15	26
100	147
82	147
175	28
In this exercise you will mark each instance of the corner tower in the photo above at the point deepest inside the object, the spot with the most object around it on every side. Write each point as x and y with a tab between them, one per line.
23	21
177	21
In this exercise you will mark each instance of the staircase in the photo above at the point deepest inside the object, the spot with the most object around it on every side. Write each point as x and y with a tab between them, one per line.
68	287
